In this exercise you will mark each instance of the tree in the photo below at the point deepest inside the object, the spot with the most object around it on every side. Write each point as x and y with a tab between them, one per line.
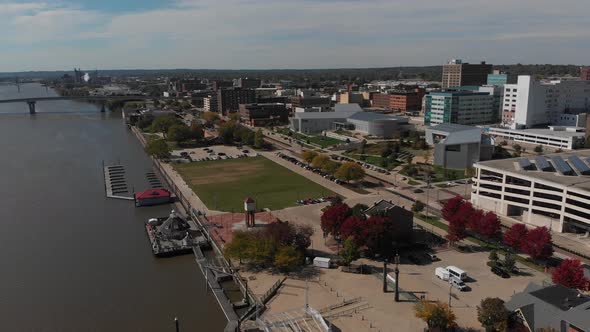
538	149
145	121
464	213
492	314
570	273
353	227
509	262
474	223
333	218
514	236
437	315
330	167
158	149
456	230
490	226
234	117
381	236
451	207
287	258
350	171
179	133
350	251
162	124
226	132
308	155
210	117
240	246
418	207
517	148
258	139
537	243
493	257
320	160
197	130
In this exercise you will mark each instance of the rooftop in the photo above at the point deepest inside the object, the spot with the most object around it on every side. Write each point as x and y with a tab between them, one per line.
553	173
546	132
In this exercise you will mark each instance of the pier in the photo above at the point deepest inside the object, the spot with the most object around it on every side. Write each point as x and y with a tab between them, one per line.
115	182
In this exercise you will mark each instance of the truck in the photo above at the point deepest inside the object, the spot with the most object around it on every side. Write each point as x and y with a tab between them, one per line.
442	273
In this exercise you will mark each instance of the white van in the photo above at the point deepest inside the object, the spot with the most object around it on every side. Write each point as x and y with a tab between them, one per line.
457	272
455	282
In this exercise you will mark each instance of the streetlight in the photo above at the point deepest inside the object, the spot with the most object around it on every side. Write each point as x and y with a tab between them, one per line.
450	292
397	277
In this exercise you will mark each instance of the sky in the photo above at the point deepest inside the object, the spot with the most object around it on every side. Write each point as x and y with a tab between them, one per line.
286	34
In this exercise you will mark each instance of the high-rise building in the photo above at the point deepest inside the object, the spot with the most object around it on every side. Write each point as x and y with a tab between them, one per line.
210	104
248	83
497	78
530	103
585	73
229	100
456	73
460	107
264	114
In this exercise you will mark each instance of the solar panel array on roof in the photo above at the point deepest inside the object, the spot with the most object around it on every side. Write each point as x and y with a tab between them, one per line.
561	166
542	164
579	165
525	163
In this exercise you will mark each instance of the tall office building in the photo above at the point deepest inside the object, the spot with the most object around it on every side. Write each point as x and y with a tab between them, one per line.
497	78
460	107
530	103
456	73
248	83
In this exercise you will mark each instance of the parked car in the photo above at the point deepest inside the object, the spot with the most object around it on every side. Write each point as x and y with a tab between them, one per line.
500	272
418	191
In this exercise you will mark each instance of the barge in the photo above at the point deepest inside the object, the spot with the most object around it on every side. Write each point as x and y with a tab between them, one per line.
174	235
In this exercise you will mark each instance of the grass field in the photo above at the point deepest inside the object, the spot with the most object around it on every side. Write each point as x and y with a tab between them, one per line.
224	184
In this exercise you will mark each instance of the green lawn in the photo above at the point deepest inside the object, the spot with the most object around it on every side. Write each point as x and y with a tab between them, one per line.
224	184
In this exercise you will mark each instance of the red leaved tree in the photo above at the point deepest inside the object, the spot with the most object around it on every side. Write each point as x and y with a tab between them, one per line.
474	222
381	236
514	236
570	273
489	226
464	213
353	227
333	218
451	207
456	231
537	243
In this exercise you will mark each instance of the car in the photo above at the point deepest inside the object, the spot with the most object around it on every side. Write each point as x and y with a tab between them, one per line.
418	191
245	151
432	257
500	272
184	154
221	154
457	283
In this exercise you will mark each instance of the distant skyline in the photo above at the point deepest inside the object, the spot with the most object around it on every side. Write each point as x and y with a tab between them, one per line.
295	34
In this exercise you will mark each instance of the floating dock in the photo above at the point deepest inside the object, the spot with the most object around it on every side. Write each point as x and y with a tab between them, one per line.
115	182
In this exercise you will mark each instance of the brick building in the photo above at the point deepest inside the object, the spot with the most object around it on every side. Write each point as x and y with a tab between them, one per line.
585	73
229	100
264	114
403	101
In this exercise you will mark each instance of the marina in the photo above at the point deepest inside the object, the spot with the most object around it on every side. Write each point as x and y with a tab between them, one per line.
173	235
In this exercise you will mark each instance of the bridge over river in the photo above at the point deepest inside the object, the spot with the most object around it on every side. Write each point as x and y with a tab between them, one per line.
33	101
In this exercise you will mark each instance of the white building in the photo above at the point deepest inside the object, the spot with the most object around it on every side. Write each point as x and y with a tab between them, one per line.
567	138
210	104
551	190
530	103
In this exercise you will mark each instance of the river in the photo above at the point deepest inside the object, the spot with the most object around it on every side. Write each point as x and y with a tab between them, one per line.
73	260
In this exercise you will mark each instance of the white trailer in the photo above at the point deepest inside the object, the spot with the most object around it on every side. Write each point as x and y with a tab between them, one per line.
442	273
322	262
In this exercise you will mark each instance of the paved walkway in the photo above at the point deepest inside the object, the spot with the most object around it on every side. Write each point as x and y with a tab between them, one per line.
340	190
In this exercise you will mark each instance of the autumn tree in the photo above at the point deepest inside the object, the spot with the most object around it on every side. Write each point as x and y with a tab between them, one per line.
451	207
333	218
330	167
158	149
287	258
197	131
226	132
474	223
350	171
537	243
456	230
492	314
320	160
308	155
381	235
353	227
490	226
515	235
350	251
436	315
209	117
509	262
570	273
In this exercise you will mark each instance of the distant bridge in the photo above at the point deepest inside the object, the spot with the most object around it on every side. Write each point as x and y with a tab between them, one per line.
33	101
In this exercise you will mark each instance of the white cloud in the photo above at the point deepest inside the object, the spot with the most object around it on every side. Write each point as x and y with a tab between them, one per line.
298	34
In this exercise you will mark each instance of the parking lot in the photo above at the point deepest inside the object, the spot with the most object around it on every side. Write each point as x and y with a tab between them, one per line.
215	152
301	164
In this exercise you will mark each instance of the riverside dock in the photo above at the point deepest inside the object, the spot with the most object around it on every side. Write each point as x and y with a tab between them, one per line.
115	182
173	235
